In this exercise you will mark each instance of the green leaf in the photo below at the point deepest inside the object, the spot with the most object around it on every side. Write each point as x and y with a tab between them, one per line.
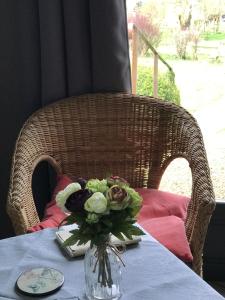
134	230
107	222
71	241
79	218
118	235
83	240
75	231
128	235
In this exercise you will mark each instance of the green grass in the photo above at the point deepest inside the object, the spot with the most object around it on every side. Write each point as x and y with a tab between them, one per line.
170	56
213	36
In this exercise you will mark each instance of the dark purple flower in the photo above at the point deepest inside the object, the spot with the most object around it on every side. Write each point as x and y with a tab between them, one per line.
75	202
82	182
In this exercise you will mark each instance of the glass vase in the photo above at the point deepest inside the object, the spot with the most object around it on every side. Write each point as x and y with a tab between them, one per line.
102	273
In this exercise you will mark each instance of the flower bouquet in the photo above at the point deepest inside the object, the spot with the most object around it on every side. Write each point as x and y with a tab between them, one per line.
100	208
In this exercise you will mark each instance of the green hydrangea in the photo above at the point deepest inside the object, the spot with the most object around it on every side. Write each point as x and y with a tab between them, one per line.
92	218
96	185
136	200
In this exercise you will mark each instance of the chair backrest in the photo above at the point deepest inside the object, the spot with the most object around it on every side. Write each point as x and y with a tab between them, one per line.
94	135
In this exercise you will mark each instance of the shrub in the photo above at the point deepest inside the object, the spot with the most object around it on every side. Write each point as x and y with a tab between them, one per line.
167	88
182	38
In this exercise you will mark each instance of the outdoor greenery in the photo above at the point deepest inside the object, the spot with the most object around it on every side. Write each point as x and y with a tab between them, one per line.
187	22
191	39
167	88
213	36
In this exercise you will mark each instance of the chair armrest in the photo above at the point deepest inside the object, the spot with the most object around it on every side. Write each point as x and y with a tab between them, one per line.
29	151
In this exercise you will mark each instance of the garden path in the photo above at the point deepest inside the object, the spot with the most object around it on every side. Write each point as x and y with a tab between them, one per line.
203	94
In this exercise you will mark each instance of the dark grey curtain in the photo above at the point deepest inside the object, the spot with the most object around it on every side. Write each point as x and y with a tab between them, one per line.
51	49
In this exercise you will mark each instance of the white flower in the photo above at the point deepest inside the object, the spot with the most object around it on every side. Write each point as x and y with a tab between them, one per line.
62	196
97	203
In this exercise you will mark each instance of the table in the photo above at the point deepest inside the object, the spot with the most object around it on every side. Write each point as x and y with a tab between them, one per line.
151	272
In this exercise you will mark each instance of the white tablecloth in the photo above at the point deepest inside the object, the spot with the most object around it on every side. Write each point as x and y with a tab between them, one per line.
151	272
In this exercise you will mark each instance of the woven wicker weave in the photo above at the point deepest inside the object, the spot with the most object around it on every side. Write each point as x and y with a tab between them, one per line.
131	136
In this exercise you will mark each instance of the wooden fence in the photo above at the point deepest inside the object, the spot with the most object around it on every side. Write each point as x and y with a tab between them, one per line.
133	33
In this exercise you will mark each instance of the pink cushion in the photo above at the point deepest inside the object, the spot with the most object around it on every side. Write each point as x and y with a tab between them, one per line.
53	215
160	204
170	232
163	215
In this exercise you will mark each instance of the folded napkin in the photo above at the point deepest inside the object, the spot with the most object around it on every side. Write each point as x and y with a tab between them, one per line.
79	250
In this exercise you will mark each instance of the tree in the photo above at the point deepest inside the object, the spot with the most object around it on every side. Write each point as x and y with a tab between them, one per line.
184	17
148	18
190	23
212	11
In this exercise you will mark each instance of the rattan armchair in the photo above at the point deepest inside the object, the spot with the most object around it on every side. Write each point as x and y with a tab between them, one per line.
132	136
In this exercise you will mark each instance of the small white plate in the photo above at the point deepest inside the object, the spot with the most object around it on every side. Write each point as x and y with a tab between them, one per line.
40	281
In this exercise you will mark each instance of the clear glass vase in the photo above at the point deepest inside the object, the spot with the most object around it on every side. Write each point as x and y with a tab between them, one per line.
102	273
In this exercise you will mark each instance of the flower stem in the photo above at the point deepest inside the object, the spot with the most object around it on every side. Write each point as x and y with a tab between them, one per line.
104	267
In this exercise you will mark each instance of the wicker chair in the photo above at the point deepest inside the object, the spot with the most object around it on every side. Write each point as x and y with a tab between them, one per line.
132	136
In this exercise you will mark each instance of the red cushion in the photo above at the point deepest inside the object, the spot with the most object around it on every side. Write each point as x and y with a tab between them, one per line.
160	204
170	232
163	215
53	215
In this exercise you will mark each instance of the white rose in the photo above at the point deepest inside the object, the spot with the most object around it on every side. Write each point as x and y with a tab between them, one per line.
62	196
97	203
